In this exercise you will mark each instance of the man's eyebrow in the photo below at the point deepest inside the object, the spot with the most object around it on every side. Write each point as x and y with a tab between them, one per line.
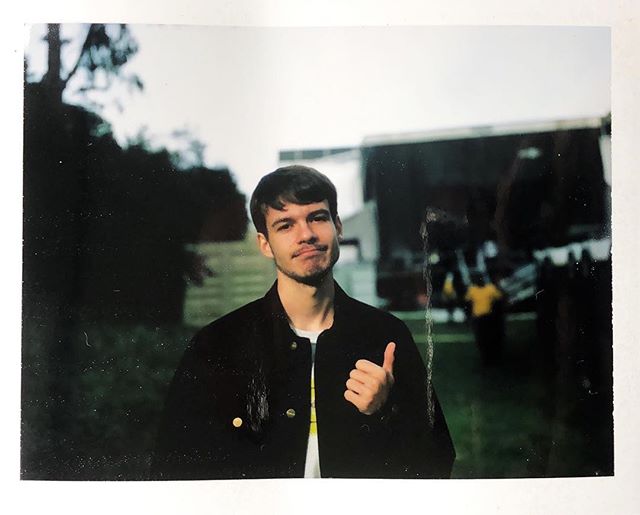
288	219
323	211
281	220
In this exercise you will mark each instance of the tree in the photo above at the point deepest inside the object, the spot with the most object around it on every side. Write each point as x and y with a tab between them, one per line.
105	50
105	234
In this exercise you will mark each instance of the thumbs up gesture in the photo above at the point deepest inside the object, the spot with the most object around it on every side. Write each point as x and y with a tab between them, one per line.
369	384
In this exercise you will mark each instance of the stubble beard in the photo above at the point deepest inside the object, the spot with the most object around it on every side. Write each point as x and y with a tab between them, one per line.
314	276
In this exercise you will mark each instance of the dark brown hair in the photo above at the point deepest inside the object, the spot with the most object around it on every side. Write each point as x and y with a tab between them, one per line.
295	184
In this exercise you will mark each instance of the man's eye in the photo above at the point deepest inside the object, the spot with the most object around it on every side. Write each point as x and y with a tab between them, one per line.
283	227
320	218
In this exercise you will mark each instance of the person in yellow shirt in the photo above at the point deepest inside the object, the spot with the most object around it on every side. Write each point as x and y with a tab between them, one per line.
486	322
449	296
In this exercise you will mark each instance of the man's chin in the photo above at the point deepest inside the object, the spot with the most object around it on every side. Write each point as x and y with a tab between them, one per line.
312	278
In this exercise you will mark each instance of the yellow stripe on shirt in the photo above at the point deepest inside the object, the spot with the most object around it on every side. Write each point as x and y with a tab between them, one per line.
313	427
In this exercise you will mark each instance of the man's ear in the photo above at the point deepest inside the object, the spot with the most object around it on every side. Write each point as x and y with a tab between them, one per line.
338	224
263	245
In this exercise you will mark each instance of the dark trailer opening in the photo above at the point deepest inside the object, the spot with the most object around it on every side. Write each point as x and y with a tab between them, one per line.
446	194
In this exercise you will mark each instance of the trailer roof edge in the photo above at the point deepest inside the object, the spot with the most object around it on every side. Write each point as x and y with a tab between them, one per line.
482	131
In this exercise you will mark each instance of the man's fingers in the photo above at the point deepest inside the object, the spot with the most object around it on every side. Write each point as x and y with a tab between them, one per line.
366	366
367	379
389	357
368	384
357	386
354	399
387	364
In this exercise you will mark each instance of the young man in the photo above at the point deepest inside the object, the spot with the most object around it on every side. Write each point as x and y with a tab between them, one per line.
305	382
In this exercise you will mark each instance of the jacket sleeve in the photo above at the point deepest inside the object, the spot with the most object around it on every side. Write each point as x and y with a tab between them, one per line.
193	439
179	421
414	417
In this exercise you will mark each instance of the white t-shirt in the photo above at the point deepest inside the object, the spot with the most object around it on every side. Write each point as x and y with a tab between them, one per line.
312	460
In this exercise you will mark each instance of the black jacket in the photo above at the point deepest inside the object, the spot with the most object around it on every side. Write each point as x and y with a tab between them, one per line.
249	366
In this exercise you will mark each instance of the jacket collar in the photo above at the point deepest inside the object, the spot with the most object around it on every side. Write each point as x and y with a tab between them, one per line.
276	311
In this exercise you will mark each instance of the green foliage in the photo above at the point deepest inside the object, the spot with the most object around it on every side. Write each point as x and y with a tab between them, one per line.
109	52
105	227
104	52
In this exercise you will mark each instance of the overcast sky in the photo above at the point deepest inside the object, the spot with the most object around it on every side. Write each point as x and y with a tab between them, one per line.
249	92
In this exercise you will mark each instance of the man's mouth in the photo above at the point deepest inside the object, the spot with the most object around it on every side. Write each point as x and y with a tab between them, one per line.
309	250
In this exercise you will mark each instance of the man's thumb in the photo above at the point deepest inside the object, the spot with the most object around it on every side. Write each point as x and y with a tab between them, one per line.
389	357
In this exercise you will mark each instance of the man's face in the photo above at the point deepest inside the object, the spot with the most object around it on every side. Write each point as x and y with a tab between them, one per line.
302	240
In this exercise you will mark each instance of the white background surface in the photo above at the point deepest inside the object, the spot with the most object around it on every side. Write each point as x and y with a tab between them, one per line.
578	495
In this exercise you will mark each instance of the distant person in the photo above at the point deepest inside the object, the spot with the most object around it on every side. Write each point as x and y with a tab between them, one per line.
486	319
306	381
587	321
546	298
449	296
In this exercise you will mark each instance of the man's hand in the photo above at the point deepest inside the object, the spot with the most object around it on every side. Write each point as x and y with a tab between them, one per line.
369	384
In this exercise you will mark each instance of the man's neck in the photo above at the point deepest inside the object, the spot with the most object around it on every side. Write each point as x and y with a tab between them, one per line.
309	308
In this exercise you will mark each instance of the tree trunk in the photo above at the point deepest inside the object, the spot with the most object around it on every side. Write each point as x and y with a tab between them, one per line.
52	79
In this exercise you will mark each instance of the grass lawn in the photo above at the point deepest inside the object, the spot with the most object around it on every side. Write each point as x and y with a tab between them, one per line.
513	419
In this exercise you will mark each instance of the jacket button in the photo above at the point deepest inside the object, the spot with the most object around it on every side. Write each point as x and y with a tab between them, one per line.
291	413
237	422
294	345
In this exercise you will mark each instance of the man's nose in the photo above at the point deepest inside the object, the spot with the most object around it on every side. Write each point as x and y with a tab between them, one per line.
306	232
